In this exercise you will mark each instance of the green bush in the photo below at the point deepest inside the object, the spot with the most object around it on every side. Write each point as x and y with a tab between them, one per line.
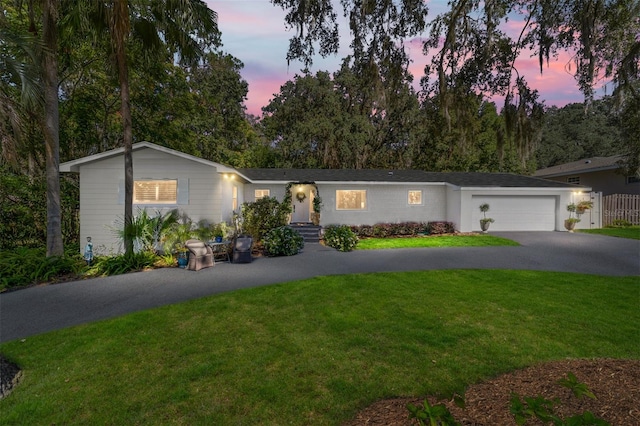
283	241
24	210
340	237
620	223
121	263
24	266
384	230
264	215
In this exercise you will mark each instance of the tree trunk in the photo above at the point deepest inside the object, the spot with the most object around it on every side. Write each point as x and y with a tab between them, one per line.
120	31
51	126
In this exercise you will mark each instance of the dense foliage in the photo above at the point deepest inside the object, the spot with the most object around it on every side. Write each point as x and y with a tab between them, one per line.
340	237
25	266
263	215
282	241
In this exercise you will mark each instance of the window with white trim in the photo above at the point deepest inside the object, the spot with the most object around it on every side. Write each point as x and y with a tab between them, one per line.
415	198
351	199
261	193
155	192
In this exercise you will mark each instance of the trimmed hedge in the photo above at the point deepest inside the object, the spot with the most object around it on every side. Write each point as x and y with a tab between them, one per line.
403	229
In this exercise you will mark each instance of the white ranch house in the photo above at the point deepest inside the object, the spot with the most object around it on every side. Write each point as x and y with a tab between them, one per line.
165	179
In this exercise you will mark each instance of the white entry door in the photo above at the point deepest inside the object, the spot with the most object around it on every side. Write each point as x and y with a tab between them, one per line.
301	200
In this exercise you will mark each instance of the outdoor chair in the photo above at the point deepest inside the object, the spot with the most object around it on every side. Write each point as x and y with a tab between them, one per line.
242	250
200	255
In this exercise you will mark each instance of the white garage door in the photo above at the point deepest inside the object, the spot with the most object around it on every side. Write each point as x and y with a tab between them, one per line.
517	213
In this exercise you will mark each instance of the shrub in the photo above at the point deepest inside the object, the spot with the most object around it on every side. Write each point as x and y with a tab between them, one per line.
340	237
283	241
23	266
147	231
620	223
383	230
262	215
24	210
437	228
121	263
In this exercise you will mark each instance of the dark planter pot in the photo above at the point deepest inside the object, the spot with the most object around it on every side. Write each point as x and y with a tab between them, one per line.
484	226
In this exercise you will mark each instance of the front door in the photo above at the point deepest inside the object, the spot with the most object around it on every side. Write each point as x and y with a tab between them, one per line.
301	200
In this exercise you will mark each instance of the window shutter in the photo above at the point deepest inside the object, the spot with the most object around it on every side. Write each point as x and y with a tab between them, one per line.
183	191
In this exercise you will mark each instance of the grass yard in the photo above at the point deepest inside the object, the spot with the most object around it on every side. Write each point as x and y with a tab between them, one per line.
477	240
316	351
632	232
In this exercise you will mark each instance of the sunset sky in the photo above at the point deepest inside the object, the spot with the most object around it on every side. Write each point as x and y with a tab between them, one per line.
254	31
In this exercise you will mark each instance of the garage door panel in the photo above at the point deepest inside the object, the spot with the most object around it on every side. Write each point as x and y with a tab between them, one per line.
518	213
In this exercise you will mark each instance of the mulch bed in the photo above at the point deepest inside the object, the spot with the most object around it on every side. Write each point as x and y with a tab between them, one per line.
615	383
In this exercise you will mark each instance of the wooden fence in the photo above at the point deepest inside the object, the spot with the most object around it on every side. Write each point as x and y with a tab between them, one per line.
621	207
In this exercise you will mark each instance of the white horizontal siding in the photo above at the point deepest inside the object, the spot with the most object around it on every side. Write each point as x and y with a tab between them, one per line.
99	182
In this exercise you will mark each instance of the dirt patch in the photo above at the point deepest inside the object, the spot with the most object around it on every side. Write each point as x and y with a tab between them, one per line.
615	383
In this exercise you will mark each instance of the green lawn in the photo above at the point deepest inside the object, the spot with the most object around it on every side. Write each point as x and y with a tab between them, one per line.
628	232
314	352
435	241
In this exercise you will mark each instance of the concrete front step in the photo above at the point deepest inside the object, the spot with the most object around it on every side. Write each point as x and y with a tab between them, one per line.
309	231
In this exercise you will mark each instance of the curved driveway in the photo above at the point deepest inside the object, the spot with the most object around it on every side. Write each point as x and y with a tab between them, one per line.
44	308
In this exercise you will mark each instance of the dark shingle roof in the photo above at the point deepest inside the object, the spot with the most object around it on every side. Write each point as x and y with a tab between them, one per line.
581	166
463	179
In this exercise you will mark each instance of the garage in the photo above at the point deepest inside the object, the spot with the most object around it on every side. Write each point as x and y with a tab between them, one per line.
517	213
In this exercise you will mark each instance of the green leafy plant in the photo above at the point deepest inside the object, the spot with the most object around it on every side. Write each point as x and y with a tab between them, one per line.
121	263
572	209
24	266
146	230
484	208
620	223
583	206
578	388
283	241
544	409
431	415
221	230
340	237
262	215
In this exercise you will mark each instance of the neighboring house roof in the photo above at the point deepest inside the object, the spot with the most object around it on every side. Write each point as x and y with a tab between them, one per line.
586	165
462	179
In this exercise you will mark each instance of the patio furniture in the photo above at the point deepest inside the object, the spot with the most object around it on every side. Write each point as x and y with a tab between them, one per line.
200	255
220	251
242	250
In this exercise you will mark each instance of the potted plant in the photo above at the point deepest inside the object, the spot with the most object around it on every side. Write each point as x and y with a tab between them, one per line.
583	206
183	257
220	231
570	223
485	221
317	206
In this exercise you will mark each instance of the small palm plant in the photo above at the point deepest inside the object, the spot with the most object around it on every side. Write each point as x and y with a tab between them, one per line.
485	221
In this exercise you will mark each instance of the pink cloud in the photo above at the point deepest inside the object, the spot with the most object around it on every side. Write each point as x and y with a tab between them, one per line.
254	32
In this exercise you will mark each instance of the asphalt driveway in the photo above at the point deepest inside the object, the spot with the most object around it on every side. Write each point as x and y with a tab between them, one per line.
40	309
